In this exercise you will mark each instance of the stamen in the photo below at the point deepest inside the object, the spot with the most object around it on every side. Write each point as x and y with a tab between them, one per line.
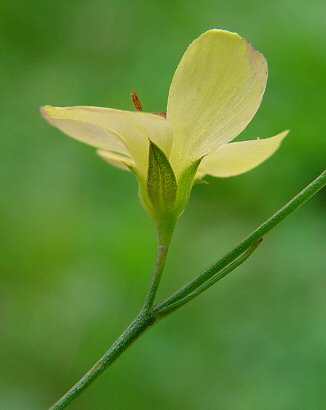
136	102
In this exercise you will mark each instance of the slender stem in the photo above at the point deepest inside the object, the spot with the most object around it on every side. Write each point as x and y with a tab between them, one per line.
308	192
147	317
156	276
165	231
136	328
167	310
133	332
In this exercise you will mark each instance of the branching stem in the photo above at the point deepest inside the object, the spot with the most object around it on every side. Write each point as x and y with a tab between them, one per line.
149	314
295	203
170	308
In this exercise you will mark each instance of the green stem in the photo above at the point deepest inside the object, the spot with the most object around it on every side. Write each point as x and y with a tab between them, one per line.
133	332
156	277
167	310
165	231
147	317
307	193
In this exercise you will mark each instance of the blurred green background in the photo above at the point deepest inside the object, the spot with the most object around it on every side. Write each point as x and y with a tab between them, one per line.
77	249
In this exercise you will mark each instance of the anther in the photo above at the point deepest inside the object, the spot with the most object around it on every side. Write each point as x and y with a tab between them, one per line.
136	102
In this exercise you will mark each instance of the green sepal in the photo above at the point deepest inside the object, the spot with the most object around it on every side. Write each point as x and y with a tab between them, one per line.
186	182
161	181
200	181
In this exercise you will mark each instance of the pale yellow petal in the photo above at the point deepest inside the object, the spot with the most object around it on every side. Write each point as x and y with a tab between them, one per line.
73	122
239	157
120	131
216	90
117	160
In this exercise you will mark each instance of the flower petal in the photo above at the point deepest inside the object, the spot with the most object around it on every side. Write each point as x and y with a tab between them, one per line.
123	132
216	90
239	157
73	122
115	159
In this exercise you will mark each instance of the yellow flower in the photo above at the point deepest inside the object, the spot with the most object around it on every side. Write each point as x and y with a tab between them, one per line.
216	90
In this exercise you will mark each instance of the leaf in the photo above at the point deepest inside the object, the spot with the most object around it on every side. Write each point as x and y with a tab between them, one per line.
161	181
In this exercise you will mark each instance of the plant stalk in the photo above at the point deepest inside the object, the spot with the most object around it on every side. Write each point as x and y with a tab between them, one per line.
136	328
167	310
149	315
156	277
307	193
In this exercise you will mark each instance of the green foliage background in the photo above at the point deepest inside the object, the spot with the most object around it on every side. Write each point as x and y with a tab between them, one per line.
76	248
